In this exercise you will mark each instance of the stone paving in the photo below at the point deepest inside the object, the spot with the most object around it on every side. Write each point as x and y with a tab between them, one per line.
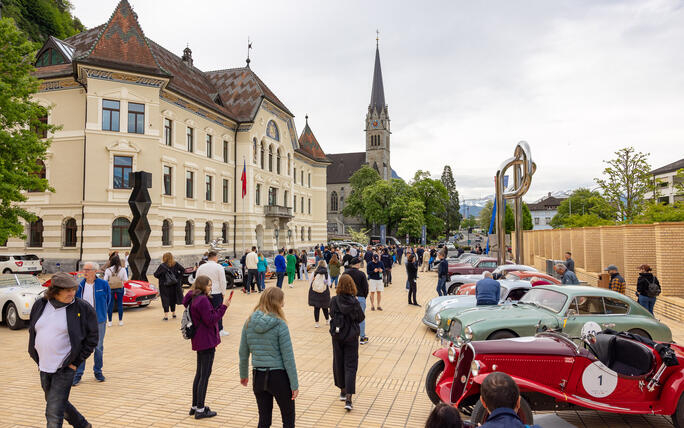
149	370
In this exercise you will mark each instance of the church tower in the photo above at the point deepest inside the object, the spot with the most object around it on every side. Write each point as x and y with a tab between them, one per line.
378	125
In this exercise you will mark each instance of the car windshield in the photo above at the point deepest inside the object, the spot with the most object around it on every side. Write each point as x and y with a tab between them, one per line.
9	280
236	263
545	298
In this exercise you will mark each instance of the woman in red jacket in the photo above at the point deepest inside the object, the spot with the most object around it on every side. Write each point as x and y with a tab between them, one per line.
205	318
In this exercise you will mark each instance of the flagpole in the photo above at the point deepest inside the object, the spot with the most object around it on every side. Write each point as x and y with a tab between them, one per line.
244	162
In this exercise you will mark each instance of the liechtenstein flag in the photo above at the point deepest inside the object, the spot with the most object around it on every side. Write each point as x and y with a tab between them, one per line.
244	180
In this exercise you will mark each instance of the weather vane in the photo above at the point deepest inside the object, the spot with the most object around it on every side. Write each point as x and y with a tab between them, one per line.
377	37
249	47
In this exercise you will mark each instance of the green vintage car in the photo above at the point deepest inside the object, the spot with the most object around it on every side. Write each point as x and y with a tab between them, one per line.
572	309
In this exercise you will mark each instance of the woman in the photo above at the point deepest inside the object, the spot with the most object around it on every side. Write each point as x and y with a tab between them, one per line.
205	319
169	274
387	263
444	416
346	314
645	281
298	269
116	276
265	335
334	269
290	261
262	267
412	274
303	261
320	300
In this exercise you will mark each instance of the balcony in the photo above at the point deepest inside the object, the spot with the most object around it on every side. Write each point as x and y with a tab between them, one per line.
278	211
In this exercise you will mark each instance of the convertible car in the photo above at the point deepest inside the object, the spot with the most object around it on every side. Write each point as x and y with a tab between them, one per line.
457	280
136	293
18	292
534	278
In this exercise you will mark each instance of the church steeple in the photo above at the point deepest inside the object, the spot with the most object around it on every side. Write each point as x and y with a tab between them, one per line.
377	100
378	124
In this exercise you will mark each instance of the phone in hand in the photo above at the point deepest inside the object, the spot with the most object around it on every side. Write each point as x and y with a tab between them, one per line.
231	295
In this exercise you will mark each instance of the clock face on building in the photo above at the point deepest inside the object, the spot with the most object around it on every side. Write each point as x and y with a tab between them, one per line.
375	124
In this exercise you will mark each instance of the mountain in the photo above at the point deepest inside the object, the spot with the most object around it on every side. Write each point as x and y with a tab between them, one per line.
472	207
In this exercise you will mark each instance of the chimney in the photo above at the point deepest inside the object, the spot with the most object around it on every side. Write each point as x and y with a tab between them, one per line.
549	192
187	56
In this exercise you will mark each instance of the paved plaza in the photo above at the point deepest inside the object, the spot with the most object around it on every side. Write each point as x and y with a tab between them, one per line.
149	370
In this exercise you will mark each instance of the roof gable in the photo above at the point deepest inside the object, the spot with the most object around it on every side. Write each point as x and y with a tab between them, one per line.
343	166
308	145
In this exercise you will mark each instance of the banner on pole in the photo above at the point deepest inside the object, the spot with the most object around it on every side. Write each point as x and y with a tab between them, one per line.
423	234
383	234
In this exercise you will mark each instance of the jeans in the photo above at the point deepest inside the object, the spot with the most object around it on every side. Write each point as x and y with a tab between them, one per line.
279	279
117	293
345	364
317	313
362	324
273	384
441	287
57	387
333	280
261	280
97	353
647	302
205	360
251	277
303	272
216	302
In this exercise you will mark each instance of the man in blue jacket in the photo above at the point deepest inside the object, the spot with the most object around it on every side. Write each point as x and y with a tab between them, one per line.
501	397
488	290
281	268
96	292
442	274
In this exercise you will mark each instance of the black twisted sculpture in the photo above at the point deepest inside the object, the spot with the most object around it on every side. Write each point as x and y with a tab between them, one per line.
139	230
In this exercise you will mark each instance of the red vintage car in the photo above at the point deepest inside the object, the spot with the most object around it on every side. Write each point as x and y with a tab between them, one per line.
136	293
613	372
536	278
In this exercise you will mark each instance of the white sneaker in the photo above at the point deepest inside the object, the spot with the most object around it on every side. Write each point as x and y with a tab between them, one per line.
109	323
316	325
327	322
224	333
291	285
121	322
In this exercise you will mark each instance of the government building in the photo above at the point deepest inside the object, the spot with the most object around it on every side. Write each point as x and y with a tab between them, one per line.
125	104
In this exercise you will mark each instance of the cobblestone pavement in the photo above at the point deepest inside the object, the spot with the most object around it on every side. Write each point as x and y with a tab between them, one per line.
149	370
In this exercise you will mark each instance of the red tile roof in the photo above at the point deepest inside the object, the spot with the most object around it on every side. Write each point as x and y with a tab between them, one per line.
308	145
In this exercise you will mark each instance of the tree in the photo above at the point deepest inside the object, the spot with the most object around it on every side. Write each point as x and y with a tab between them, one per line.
469	222
412	221
20	127
661	213
509	217
580	203
452	214
627	181
526	217
485	216
435	197
386	202
354	204
40	19
360	236
678	181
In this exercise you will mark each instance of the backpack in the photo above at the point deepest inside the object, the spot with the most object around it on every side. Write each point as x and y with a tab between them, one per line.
318	285
653	289
114	281
188	329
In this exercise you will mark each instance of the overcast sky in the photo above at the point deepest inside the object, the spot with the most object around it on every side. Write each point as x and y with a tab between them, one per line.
464	80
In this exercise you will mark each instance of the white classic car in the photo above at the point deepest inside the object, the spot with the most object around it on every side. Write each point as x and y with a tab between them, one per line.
17	294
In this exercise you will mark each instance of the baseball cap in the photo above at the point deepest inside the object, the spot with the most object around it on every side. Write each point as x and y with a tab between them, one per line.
611	267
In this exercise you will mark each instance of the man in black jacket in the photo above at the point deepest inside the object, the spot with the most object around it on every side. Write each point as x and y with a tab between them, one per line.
361	282
62	334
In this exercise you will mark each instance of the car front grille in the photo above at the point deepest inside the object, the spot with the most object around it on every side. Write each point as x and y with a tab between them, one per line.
462	372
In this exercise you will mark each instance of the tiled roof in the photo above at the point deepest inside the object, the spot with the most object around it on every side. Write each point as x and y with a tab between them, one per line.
548	203
377	101
343	166
308	145
674	166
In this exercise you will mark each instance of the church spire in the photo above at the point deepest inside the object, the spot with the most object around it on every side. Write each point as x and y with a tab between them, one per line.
377	100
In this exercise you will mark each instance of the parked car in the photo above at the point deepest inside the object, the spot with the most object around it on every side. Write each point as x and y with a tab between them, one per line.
473	266
389	240
232	268
136	293
534	278
16	263
310	260
17	295
456	281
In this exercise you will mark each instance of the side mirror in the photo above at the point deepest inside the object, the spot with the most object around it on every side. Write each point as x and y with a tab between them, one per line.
571	312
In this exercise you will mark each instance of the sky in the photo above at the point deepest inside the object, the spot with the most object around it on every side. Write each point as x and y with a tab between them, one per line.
464	81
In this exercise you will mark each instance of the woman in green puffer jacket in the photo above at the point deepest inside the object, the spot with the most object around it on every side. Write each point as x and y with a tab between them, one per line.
274	374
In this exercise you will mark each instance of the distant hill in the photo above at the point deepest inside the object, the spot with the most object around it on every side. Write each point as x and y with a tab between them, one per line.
40	19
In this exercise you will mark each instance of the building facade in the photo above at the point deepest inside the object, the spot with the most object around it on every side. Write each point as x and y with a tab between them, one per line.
124	104
543	211
666	183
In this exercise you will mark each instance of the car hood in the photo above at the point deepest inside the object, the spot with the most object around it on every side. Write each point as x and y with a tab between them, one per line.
451	303
503	315
466	278
34	289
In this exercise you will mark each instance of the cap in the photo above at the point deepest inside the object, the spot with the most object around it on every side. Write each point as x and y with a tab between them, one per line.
354	261
63	280
611	267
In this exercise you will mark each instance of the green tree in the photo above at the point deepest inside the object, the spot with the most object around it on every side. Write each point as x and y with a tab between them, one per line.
412	221
678	181
627	181
469	222
360	236
20	127
452	214
435	197
587	204
40	19
360	180
661	213
387	202
527	217
485	217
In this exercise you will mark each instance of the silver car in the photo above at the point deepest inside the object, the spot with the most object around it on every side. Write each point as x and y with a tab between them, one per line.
511	291
455	281
18	292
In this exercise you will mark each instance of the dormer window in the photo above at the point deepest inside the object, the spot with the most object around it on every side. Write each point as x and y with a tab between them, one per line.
50	57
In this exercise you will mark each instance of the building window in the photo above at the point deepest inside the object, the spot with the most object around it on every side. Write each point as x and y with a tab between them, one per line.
263	152
333	201
309	233
166	232
41	131
286	201
50	57
303	231
168	129
309	210
309	178
189	184
272	196
70	229
225	191
36	233
302	178
294	206
278	162
190	137
120	237
226	153
536	220
548	220
208	182
189	239
224	233
294	176
302	207
207	232
210	148
167	180
270	159
41	173
257	194
110	115
123	165
136	118
254	144
288	163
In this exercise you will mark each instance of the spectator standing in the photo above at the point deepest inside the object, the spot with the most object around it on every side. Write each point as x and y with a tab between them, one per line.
334	268
444	416
303	262
63	331
251	260
488	290
648	288
116	276
617	282
126	265
420	252
217	276
205	317
568	277
412	274
281	267
274	373
433	256
243	260
298	271
374	269
442	274
361	283
368	255
327	255
290	262
400	252
569	262
169	273
346	314
320	299
387	262
500	396
262	267
346	259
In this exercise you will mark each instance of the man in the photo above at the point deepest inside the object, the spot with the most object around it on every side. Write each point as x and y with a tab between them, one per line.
244	271
217	275
433	256
568	277
569	262
617	282
361	292
95	291
400	252
421	254
327	255
374	270
251	261
487	290
500	395
368	256
281	267
442	274
63	331
346	259
290	262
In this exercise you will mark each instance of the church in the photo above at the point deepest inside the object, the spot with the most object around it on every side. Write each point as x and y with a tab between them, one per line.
376	155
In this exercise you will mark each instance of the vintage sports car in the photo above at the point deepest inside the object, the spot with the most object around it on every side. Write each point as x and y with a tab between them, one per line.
473	266
136	293
566	308
534	278
613	372
449	305
232	268
17	295
456	280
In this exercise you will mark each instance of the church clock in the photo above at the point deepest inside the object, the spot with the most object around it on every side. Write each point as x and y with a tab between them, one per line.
375	124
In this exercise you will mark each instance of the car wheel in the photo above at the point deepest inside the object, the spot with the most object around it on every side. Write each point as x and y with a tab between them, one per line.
501	334
12	317
453	288
640	332
433	376
7	270
480	414
678	416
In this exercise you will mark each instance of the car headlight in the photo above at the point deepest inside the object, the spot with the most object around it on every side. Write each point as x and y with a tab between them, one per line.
468	333
438	318
440	332
475	367
459	341
452	354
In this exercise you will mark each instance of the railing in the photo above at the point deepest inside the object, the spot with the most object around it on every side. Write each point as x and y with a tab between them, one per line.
277	211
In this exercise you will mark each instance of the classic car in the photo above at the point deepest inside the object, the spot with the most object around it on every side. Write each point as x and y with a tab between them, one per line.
473	266
613	372
457	280
564	308
24	263
232	268
17	295
511	291
136	293
534	278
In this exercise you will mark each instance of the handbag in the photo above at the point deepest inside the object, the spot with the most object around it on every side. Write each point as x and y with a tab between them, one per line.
169	277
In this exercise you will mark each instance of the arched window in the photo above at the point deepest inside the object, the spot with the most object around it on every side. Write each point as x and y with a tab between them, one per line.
263	152
50	57
288	164
189	239
255	151
278	161
120	237
270	158
166	232
42	173
207	232
224	233
36	233
333	201
309	233
70	232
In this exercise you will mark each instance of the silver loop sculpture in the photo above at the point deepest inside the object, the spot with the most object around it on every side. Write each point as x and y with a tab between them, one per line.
523	170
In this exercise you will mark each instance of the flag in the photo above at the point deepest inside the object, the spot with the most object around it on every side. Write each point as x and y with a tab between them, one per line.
244	180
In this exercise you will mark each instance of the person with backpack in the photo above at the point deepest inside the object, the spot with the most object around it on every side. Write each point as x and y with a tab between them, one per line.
319	293
266	337
334	266
169	273
116	276
205	338
346	314
361	283
648	288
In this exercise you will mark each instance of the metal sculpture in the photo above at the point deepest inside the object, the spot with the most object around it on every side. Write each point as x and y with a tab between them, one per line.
139	230
523	170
